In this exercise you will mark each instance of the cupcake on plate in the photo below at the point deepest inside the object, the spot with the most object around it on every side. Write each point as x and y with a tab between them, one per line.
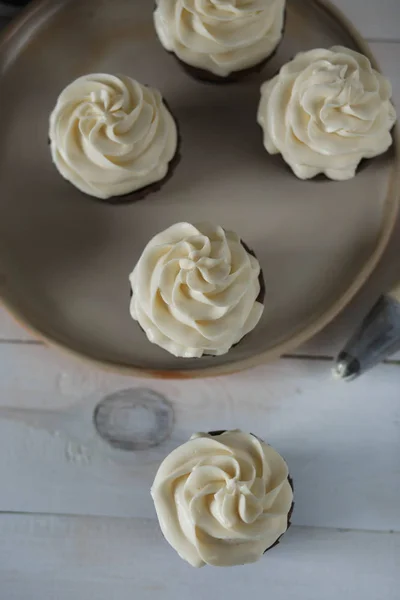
111	136
325	111
196	290
223	499
218	40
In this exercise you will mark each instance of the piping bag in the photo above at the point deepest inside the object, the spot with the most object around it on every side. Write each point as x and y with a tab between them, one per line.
377	338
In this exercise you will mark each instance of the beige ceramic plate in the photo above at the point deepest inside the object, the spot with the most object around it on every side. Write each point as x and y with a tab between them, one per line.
65	258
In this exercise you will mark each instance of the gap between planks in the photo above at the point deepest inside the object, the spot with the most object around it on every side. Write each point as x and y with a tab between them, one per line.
11	513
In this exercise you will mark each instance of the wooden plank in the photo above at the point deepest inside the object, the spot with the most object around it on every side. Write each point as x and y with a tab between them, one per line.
69	557
342	441
375	19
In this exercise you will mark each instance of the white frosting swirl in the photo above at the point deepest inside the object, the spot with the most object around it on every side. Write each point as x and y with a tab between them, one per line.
195	290
222	500
220	36
111	135
325	111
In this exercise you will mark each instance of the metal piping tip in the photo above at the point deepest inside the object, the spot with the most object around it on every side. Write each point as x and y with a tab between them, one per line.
346	368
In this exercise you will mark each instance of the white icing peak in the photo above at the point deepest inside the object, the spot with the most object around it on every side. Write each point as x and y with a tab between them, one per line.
111	135
195	289
220	36
222	500
325	111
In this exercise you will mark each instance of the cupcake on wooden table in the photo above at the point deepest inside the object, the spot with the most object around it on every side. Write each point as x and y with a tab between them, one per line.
223	498
325	111
220	40
196	290
112	136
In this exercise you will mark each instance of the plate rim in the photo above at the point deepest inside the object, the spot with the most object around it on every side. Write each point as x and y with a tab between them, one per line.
299	337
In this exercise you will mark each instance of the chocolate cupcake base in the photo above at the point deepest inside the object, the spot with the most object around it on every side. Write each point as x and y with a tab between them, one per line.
261	296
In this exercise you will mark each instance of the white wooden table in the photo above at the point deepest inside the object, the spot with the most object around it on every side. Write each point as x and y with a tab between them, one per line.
76	519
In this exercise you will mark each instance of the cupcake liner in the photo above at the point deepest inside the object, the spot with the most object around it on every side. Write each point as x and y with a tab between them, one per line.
290	480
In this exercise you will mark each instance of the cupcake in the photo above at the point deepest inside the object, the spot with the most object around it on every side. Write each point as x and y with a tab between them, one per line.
111	136
196	290
220	41
223	499
325	111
